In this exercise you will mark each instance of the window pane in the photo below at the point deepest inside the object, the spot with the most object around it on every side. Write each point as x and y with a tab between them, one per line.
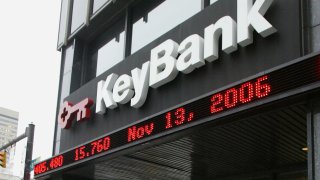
107	50
213	1
79	14
68	59
110	54
97	4
57	143
161	19
63	28
66	83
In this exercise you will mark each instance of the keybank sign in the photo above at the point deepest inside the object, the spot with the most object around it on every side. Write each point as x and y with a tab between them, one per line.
170	58
194	51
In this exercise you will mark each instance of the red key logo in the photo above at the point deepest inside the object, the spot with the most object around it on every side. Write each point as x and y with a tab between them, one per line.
68	111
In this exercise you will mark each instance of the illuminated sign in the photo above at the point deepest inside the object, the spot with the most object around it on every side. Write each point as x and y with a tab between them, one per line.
278	81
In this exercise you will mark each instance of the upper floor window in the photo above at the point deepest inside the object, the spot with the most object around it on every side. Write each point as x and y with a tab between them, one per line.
152	20
79	14
98	4
63	26
213	1
107	50
110	54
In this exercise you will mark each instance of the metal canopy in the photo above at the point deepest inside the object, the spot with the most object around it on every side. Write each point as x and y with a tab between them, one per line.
257	147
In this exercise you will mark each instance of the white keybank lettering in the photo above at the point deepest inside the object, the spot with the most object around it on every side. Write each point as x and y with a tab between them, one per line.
164	66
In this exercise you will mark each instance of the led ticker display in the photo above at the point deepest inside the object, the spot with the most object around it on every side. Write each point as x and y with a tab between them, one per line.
241	94
293	76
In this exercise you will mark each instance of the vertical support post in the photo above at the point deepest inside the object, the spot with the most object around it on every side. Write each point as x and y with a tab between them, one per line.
310	143
30	136
313	134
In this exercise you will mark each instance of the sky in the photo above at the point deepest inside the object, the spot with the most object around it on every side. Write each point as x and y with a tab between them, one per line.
30	67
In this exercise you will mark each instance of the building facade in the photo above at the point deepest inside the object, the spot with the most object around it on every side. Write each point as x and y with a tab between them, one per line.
8	131
197	89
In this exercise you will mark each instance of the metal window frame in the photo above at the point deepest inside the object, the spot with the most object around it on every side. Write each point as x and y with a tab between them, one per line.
98	11
66	23
85	22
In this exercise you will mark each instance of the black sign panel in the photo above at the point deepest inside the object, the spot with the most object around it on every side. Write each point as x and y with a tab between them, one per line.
267	85
264	53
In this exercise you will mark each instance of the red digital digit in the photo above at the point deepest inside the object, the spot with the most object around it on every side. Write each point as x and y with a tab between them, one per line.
230	98
246	92
168	120
76	156
106	143
82	153
99	145
61	160
36	169
180	116
216	101
264	89
51	164
56	162
43	167
93	147
40	168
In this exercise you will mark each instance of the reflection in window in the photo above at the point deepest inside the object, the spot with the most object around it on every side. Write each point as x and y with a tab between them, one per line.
63	28
107	50
68	59
97	4
66	84
213	1
79	14
110	54
154	23
66	78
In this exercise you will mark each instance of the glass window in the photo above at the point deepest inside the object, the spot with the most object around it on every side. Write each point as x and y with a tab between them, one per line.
108	49
65	89
68	59
213	1
97	4
63	27
110	54
57	145
79	14
67	72
154	22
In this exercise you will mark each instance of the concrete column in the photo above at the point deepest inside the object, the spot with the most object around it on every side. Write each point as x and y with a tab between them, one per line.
313	132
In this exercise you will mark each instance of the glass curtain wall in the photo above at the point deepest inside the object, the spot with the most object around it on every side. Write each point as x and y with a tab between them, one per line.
107	50
151	23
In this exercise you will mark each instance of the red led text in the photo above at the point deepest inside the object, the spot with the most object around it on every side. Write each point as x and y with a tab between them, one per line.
95	147
243	94
40	168
80	153
100	145
177	118
56	162
135	133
